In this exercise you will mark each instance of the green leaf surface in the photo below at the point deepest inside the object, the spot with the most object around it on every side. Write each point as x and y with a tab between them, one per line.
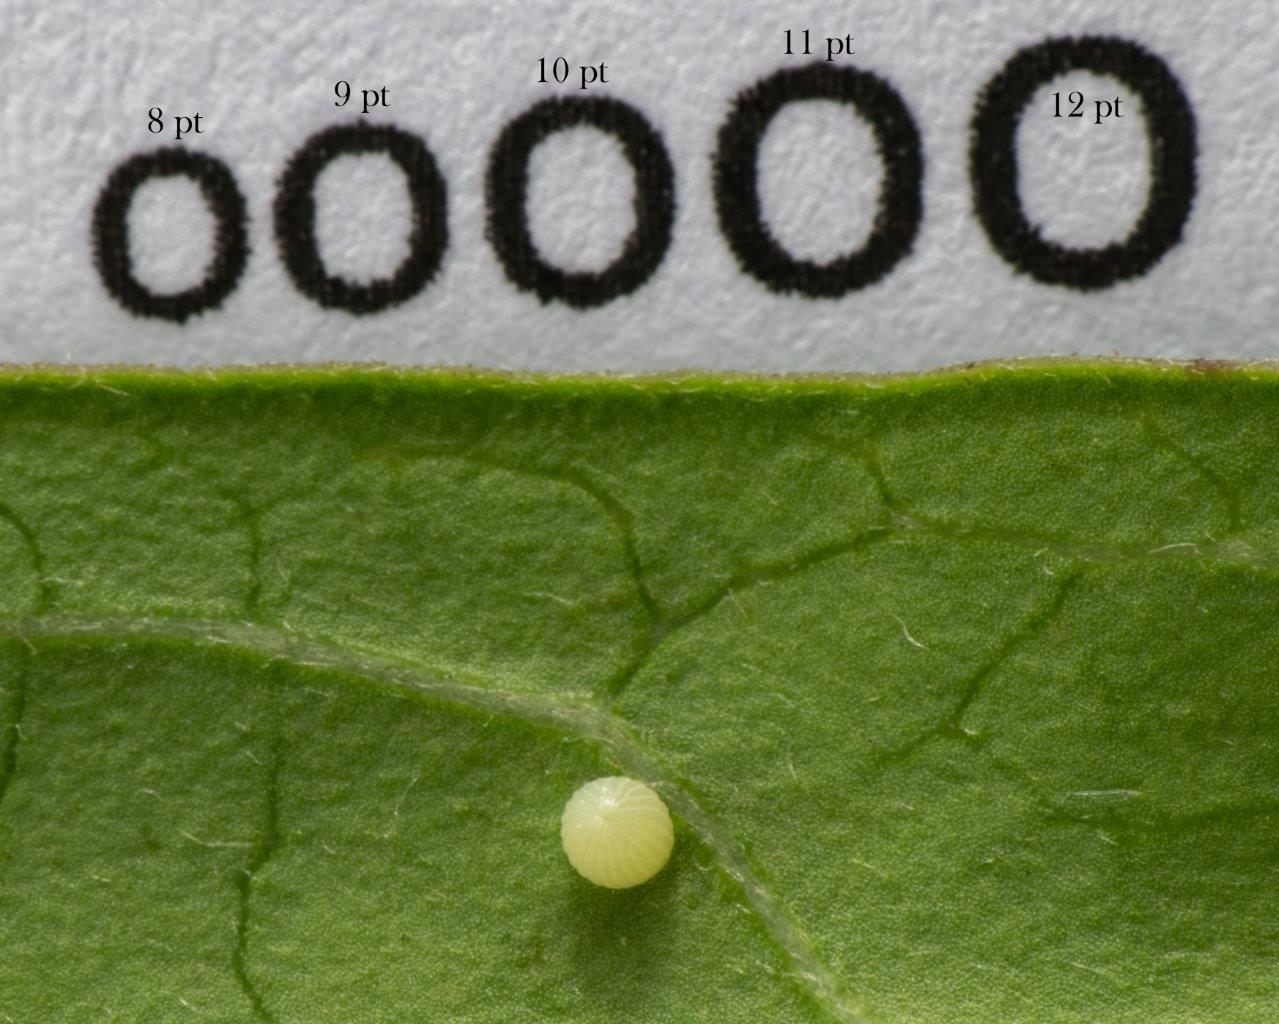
963	690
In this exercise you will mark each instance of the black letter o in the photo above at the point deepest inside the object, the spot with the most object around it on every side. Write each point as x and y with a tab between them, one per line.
111	233
295	217
506	187
1170	125
736	180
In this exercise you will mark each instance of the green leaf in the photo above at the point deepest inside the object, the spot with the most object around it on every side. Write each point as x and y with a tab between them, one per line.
962	689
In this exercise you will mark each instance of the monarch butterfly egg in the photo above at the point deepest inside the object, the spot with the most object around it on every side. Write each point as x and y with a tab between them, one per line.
617	832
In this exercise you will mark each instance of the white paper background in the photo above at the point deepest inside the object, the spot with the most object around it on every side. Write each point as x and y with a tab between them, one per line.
77	78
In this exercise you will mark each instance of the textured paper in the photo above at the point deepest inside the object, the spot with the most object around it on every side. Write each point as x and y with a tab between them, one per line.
78	79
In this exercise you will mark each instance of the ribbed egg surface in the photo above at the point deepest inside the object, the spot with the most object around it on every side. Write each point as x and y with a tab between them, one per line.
617	832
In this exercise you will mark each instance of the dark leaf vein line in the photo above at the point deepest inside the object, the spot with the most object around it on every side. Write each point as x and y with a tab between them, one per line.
42	600
13	732
621	516
246	514
1227	492
1067	809
45	594
1234	551
263	850
744	579
952	724
1209	552
248	518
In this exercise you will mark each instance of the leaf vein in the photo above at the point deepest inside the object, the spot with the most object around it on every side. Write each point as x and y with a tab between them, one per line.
13	733
262	851
952	724
1235	551
614	508
1230	496
45	591
744	579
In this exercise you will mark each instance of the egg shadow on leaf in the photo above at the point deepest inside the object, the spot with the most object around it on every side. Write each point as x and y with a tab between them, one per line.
623	940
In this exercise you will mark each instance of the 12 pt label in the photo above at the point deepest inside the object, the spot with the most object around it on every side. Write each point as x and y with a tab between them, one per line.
992	167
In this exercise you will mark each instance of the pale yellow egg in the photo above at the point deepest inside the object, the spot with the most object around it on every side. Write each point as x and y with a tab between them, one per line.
617	832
